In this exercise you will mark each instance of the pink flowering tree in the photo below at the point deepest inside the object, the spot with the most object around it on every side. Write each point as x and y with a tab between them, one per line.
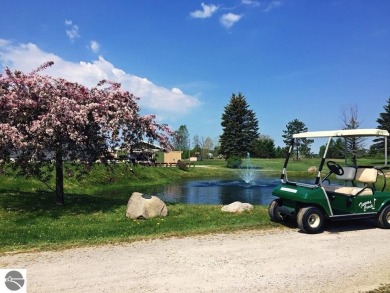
46	120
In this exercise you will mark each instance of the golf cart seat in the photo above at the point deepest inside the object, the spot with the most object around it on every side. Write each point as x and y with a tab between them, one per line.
349	174
364	176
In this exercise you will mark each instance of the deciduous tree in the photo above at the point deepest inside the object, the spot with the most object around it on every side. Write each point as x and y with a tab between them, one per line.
181	138
301	145
45	119
350	120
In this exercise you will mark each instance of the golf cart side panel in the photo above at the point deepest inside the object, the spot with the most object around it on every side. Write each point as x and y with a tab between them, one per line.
341	204
295	196
384	196
365	204
347	204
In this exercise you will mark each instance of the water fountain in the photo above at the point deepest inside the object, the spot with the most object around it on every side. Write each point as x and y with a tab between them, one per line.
250	187
247	174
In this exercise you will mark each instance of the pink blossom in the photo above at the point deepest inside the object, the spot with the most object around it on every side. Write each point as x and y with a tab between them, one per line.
44	112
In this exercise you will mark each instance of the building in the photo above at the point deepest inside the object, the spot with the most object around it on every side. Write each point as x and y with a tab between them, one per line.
168	157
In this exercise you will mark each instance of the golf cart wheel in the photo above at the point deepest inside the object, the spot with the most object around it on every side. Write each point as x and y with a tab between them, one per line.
310	220
383	219
273	211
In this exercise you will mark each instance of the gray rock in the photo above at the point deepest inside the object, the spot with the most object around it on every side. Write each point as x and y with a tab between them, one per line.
237	207
141	206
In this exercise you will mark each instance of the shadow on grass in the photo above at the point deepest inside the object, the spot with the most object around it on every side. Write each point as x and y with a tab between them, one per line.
42	203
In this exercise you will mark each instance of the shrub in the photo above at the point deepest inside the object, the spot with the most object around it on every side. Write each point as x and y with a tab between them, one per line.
182	165
234	162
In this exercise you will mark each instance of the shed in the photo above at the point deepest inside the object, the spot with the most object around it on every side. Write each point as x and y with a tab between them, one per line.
168	157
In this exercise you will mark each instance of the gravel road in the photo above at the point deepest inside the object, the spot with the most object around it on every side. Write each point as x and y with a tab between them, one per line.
342	259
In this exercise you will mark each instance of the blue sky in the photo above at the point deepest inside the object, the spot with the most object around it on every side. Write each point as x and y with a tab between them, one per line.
304	59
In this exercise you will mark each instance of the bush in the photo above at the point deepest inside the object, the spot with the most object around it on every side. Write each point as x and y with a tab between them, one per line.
234	162
182	165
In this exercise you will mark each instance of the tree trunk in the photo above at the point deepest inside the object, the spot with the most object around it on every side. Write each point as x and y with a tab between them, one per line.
59	179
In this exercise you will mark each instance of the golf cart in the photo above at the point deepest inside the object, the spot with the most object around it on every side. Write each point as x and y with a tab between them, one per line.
343	192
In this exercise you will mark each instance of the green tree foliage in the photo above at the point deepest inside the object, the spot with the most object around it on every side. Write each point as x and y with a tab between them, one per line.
196	145
240	128
180	139
383	123
302	145
234	162
335	150
280	152
264	147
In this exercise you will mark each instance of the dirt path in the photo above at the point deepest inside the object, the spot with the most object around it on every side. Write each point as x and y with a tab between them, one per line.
257	261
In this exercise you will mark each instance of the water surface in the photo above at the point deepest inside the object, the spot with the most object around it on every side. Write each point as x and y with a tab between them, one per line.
216	191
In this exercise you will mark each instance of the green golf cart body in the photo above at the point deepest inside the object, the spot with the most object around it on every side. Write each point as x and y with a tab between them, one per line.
354	194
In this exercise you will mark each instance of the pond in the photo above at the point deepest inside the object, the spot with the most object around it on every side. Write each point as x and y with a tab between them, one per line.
216	191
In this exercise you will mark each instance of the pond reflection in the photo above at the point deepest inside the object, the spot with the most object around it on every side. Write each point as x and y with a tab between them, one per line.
216	191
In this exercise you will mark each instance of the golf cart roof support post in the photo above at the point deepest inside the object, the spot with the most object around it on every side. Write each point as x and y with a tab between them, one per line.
385	138
345	152
284	172
323	161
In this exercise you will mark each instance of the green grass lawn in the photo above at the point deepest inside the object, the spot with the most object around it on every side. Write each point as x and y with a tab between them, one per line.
30	221
95	207
94	210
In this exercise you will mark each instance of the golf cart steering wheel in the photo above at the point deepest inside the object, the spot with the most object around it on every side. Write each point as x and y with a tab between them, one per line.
335	168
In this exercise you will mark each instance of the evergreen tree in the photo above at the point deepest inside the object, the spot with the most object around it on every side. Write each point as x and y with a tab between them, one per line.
240	128
264	147
335	150
302	145
384	123
280	152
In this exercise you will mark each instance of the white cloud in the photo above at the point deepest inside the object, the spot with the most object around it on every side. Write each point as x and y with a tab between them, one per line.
94	46
176	90
272	5
250	2
161	101
207	11
72	30
229	19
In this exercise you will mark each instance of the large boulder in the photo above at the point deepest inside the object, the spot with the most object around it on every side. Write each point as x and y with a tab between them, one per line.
141	206
312	170
237	207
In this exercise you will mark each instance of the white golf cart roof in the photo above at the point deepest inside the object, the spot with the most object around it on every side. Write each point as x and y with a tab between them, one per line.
342	133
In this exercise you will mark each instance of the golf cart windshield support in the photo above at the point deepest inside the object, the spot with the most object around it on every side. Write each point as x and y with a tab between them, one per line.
318	178
284	171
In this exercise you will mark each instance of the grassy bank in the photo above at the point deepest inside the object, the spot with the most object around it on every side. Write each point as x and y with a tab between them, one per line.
30	221
94	210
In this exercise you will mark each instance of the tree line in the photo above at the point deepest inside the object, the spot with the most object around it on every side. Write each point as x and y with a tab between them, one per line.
240	135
